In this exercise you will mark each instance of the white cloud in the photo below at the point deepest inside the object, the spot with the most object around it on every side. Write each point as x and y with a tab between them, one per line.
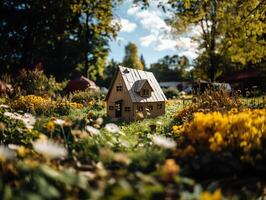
165	44
152	21
126	25
185	43
159	33
133	9
147	40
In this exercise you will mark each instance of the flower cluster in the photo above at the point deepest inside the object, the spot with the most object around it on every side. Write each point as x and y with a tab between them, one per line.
243	131
70	104
40	105
28	119
210	101
32	103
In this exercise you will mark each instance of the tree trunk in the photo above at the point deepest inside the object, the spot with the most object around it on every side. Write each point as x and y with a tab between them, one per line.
28	43
86	65
212	55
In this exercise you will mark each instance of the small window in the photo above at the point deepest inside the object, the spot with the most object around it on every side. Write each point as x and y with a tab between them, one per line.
159	106
111	107
145	92
140	108
127	109
150	107
119	88
117	107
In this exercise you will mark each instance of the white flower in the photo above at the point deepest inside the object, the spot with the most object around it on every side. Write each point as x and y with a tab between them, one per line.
28	119
99	121
6	153
92	130
4	106
163	142
49	148
12	115
112	128
13	146
59	122
159	123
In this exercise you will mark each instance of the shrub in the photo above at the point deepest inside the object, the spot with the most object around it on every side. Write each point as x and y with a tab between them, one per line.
14	131
241	134
40	105
85	97
63	107
34	104
37	83
171	92
210	101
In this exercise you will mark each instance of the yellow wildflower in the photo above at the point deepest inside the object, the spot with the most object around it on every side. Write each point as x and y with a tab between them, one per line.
169	169
217	195
22	151
50	126
2	126
244	131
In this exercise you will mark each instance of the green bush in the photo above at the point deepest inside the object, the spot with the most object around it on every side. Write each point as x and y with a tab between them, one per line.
37	83
14	131
85	97
210	101
171	92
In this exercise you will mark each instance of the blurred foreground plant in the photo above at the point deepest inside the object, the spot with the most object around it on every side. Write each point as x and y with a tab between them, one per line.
211	100
242	134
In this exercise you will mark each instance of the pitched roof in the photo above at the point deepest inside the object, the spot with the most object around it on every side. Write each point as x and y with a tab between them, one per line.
133	77
241	75
80	83
139	84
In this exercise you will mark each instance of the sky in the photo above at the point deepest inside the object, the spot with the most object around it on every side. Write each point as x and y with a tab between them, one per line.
148	30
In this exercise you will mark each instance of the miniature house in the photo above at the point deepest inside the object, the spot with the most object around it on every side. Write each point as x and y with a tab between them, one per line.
134	94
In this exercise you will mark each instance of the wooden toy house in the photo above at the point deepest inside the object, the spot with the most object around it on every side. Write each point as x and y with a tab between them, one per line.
134	94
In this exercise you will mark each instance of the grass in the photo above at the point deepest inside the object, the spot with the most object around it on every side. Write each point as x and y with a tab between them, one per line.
122	165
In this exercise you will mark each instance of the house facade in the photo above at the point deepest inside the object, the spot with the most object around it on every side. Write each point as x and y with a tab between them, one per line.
134	94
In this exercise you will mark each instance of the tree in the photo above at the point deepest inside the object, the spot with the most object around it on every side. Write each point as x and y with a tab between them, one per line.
170	68
96	30
233	29
109	72
183	65
131	58
142	60
63	35
37	31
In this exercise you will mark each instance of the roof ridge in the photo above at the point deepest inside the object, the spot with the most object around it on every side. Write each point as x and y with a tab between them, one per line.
131	77
121	66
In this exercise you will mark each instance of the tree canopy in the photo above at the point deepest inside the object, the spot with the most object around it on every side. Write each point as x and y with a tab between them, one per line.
131	58
170	68
63	35
234	30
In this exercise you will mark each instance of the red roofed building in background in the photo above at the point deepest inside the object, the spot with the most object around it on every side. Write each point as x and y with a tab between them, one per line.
80	83
243	80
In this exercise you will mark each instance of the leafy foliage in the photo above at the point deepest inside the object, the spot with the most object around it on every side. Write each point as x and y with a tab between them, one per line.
86	97
170	68
62	36
131	58
224	29
78	156
40	105
35	82
171	92
233	137
211	100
